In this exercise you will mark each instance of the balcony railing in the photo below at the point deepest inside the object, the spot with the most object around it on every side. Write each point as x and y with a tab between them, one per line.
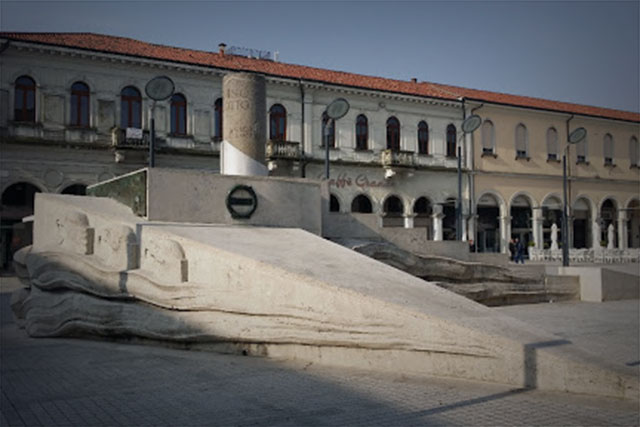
130	138
283	150
397	158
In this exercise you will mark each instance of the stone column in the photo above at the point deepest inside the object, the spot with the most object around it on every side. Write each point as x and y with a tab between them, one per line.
622	230
537	228
437	222
245	125
408	220
595	233
505	233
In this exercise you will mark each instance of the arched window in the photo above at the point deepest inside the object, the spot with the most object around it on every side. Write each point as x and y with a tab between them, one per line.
361	204
217	120
178	114
423	138
581	151
277	123
608	149
130	108
451	140
362	132
488	138
634	152
552	144
75	189
80	105
334	204
393	134
521	142
328	130
25	100
393	206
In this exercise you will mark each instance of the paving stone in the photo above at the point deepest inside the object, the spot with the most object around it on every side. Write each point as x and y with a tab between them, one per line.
96	383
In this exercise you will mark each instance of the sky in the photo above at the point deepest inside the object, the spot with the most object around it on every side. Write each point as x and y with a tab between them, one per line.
586	52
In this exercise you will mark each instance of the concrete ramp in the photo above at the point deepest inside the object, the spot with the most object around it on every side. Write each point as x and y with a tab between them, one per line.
96	269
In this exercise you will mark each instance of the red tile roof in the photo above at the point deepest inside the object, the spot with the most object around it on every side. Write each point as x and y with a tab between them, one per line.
131	47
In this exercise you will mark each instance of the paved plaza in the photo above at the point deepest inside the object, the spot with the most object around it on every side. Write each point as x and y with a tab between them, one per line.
60	382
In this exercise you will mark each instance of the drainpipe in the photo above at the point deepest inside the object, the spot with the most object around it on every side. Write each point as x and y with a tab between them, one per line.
303	162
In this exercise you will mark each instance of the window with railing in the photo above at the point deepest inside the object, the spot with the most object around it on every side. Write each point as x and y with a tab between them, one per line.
130	108
277	123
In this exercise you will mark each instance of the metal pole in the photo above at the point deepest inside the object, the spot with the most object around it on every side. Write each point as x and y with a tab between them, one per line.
326	148
565	220
152	142
459	207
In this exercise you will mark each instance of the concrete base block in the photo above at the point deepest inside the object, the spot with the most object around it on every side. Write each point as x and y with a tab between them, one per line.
599	284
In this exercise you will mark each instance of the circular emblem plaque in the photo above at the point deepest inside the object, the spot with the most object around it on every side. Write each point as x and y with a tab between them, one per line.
159	88
242	202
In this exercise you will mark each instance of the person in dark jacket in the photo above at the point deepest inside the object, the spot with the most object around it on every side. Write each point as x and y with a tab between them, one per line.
512	250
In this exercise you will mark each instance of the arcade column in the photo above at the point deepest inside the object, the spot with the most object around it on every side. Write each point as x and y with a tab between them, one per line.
438	215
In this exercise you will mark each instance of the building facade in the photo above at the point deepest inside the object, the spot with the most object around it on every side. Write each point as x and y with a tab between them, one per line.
74	112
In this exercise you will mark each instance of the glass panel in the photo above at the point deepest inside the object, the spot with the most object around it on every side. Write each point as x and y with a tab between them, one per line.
74	110
84	111
19	102
124	114
136	115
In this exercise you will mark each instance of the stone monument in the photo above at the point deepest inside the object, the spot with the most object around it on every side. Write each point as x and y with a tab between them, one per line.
244	131
610	237
554	237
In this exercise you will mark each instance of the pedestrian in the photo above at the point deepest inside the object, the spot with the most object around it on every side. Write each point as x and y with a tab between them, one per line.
519	248
472	246
512	250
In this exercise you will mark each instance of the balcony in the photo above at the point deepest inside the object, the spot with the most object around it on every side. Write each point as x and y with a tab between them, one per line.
390	158
130	138
283	150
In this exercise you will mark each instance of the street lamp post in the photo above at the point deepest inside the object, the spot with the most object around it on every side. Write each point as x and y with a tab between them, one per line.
469	125
158	89
572	138
337	109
